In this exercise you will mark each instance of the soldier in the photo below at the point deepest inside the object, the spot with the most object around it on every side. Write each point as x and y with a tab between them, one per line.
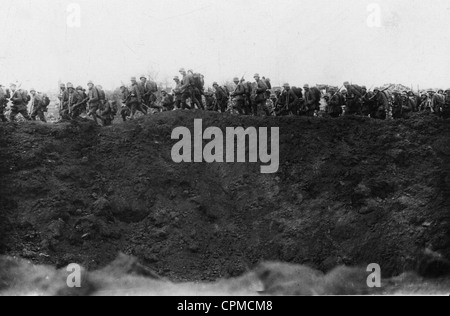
210	101
188	91
407	105
367	103
126	96
335	104
108	112
167	101
71	99
37	106
81	106
221	98
19	101
312	101
288	102
354	95
94	101
446	106
239	97
437	102
148	90
383	104
397	105
177	92
135	101
260	96
197	88
4	96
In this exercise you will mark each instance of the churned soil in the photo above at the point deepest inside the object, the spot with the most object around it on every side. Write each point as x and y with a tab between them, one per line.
350	191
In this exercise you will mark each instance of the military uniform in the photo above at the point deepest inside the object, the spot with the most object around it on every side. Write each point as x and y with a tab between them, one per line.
188	92
19	105
38	108
311	102
221	98
125	110
260	97
446	106
94	101
177	93
167	102
354	95
288	102
107	113
135	101
407	106
80	107
383	105
335	105
71	99
397	106
4	96
239	98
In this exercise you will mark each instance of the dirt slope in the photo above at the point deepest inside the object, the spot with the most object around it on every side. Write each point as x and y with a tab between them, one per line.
350	191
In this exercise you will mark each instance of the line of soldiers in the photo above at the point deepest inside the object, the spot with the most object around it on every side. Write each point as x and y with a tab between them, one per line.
20	99
246	98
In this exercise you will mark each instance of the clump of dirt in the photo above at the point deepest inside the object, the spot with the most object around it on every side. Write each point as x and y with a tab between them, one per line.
350	191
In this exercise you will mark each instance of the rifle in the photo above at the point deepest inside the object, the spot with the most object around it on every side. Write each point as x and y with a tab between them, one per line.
380	92
71	109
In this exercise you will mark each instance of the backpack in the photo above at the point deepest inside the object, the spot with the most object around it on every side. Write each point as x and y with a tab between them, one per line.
45	100
248	88
101	95
25	96
199	83
298	92
317	94
268	84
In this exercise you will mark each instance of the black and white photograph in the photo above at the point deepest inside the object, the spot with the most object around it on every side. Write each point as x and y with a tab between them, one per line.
224	154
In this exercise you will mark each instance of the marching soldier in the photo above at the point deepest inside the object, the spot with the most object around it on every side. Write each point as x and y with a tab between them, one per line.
177	92
397	105
80	107
126	110
188	91
19	101
71	99
94	101
312	101
221	98
4	97
354	95
37	106
135	102
407	105
260	97
335	103
288	102
239	97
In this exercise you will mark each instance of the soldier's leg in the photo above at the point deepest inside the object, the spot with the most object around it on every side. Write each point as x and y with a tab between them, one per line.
240	106
184	99
25	115
42	116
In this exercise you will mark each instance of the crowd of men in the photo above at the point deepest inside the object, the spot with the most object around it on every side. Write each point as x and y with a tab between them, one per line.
245	98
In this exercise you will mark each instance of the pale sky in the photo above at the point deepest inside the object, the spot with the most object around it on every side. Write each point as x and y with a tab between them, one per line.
295	41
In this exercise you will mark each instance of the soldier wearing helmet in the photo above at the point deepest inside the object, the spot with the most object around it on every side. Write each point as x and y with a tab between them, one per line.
239	97
37	106
188	91
260	97
221	98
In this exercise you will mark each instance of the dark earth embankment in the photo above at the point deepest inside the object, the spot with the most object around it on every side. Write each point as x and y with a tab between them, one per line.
351	191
